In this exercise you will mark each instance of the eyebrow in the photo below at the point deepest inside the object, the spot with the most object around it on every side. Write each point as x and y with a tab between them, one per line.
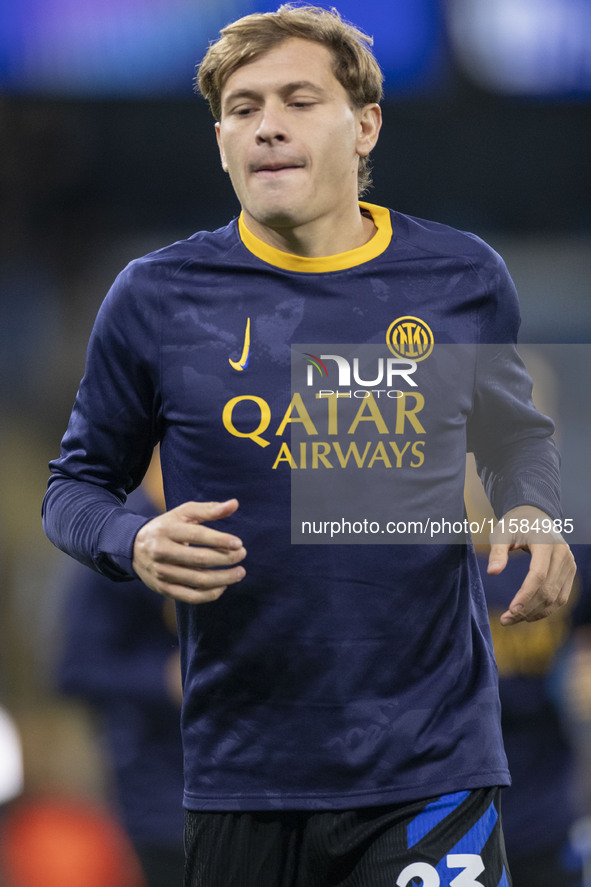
284	91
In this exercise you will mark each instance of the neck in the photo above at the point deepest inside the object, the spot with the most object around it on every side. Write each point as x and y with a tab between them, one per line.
316	238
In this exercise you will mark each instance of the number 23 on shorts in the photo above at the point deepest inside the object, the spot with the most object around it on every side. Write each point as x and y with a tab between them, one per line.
470	863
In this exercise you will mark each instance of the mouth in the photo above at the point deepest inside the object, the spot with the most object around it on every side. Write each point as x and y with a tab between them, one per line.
273	169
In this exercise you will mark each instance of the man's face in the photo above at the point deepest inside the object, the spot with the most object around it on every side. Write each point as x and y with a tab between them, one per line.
290	139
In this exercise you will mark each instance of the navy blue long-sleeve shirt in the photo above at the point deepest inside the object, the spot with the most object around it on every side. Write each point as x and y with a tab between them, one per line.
330	676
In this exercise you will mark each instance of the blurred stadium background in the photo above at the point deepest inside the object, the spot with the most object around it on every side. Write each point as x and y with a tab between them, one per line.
105	153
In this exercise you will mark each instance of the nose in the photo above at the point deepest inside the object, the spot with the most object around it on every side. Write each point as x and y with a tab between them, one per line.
272	126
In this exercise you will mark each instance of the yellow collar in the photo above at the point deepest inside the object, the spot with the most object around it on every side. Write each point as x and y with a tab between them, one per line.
338	262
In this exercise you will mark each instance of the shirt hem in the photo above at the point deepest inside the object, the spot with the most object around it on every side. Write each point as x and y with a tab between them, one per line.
344	800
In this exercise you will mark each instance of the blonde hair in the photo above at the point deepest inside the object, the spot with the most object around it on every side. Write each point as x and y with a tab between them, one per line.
244	40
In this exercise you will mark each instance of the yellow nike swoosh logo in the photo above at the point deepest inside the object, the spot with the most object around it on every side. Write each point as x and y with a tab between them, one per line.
241	364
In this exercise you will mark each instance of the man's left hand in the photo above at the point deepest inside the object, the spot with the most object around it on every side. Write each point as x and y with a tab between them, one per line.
552	567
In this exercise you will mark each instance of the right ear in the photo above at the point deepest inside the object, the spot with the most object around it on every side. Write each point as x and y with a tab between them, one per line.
218	135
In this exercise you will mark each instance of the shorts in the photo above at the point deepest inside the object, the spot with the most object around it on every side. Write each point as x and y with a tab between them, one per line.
455	840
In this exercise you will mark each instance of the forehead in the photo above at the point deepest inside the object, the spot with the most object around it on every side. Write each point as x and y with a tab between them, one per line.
292	61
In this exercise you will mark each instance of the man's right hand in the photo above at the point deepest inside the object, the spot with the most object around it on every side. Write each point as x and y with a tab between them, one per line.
175	555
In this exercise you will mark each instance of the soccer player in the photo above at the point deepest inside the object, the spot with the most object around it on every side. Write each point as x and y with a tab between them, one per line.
341	717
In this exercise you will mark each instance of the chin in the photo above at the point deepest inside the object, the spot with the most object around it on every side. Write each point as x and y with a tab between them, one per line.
285	208
277	217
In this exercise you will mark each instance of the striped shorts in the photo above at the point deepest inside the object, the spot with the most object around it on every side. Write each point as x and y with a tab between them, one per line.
455	840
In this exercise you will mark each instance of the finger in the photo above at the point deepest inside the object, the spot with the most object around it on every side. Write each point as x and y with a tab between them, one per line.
497	558
187	595
195	586
187	523
208	510
569	574
199	512
167	553
200	535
